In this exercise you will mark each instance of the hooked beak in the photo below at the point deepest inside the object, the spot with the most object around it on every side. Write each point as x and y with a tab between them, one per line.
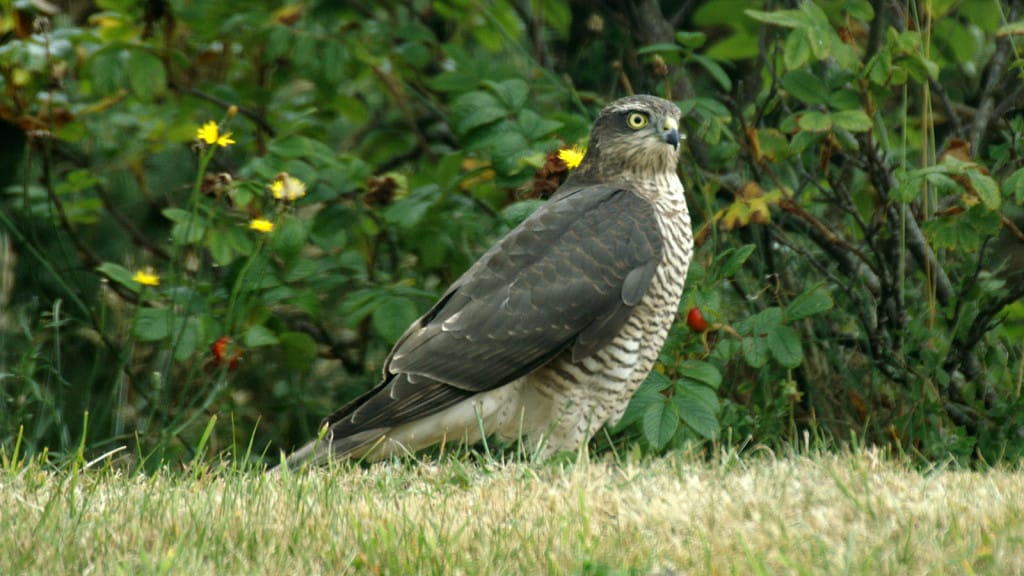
670	132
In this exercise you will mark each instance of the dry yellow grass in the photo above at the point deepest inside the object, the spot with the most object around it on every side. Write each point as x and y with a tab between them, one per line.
797	515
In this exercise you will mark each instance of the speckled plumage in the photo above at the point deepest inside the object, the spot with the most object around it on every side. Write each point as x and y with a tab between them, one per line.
550	333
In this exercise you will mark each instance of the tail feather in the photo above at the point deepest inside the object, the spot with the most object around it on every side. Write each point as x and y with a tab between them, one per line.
319	450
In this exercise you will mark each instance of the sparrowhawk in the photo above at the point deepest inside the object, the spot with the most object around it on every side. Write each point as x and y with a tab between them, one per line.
549	333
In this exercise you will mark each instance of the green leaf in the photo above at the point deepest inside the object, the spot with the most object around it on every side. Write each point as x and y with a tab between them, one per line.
289	237
805	87
506	145
920	68
335	55
185	229
657	48
715	70
844	99
796	51
260	275
773	144
756	331
879	68
852	120
514	214
414	54
698	407
803	140
965	232
908	186
186	338
655	382
861	10
278	41
293	146
475	109
453	81
822	37
259	335
393	316
1011	29
107	70
300	350
702	372
691	39
304	269
985	187
513	92
784	344
649	392
784	18
986	222
534	125
755	350
661	420
763	322
152	324
304	51
814	121
959	38
943	183
119	274
1014	185
730	261
219	246
814	300
146	75
407	212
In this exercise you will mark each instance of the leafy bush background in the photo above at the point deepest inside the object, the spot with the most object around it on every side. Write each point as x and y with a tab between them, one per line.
853	167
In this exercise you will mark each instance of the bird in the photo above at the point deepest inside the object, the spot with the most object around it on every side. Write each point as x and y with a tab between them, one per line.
548	335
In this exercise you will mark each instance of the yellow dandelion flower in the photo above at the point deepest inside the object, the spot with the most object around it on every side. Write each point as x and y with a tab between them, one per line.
287	188
261	225
210	133
146	277
571	156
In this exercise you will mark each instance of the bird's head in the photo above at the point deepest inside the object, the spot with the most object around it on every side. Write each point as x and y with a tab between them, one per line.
637	134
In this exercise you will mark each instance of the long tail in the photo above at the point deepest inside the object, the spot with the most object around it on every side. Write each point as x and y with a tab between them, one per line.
318	451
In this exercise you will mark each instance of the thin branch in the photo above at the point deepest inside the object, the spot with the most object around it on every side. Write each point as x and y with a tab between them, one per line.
136	235
948	106
394	88
962	348
994	78
885	181
677	19
247	112
1013	101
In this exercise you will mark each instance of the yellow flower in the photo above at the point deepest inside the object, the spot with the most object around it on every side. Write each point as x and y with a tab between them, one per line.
210	133
261	225
146	277
288	188
571	156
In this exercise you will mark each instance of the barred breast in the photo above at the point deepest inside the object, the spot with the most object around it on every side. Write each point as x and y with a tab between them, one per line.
564	403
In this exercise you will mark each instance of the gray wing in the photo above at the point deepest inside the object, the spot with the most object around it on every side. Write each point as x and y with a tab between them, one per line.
568	277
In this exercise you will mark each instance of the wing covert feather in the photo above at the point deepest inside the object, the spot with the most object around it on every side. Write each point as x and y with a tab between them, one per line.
567	276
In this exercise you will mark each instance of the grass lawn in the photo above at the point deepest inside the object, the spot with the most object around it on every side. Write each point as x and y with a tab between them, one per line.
823	514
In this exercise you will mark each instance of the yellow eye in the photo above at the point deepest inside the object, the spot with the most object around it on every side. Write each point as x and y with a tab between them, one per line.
636	120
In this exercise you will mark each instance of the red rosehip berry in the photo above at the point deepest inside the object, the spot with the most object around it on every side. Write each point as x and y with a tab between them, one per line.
695	320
